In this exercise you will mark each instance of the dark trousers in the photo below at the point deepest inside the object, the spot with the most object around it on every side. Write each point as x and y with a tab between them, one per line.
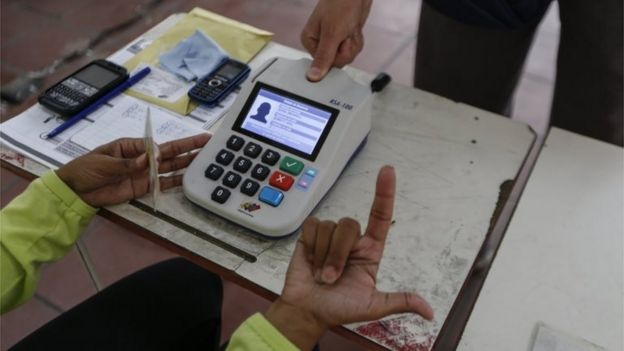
481	66
172	305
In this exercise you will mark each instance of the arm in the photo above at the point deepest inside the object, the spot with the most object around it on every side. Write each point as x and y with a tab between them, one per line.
333	34
38	226
42	224
258	334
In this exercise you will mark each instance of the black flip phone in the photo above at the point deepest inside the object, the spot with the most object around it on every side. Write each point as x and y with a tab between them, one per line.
83	87
213	88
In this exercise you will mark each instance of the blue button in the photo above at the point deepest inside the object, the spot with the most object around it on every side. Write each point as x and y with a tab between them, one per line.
311	172
271	196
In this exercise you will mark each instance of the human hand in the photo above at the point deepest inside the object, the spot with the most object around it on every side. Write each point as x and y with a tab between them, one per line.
333	34
332	276
119	171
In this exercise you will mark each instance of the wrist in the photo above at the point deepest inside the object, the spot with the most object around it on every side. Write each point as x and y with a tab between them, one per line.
63	175
301	327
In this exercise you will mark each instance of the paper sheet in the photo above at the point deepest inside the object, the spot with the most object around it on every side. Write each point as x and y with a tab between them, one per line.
163	85
242	42
153	153
27	131
127	120
549	339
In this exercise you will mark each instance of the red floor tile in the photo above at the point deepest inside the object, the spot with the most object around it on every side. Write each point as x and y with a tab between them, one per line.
55	8
8	73
10	186
284	18
25	319
15	21
117	252
34	50
94	16
66	283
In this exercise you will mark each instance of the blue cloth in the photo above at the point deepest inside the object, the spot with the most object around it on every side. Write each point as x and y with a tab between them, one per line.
194	57
497	14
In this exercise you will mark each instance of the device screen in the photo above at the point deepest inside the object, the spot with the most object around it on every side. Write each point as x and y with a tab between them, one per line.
96	76
285	120
228	71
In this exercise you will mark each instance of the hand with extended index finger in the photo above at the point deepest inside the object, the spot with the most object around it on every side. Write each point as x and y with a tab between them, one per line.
333	34
118	171
332	276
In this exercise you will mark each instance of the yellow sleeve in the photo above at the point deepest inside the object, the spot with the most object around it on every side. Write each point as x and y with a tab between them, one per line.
256	333
38	226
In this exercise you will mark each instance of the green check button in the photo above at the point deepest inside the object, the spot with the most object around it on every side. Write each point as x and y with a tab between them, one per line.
291	165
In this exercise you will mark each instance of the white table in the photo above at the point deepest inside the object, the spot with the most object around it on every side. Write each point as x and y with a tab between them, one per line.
560	262
451	160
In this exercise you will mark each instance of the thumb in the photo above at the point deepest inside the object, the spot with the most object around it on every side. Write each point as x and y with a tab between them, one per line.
385	304
324	56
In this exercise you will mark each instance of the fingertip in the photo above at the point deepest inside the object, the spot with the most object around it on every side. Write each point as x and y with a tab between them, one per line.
422	307
329	274
204	137
387	177
311	221
387	169
315	74
141	161
429	315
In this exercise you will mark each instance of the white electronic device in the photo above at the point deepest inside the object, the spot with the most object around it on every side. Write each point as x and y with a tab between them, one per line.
281	147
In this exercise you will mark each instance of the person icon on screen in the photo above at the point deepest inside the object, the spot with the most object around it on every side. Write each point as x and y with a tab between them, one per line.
262	112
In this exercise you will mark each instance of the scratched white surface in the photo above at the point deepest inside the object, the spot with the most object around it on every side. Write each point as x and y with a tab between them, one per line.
449	165
561	262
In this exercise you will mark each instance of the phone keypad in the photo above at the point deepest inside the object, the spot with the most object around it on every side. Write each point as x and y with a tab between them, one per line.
67	95
231	179
213	171
209	88
225	157
235	143
270	157
281	180
252	150
220	194
249	187
260	172
242	164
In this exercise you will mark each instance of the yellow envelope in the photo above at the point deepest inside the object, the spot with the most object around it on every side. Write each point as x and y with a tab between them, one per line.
241	41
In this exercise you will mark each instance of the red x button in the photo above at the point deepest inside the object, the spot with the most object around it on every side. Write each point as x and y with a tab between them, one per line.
281	180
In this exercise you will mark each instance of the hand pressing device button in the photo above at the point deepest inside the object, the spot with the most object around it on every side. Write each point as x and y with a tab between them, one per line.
281	147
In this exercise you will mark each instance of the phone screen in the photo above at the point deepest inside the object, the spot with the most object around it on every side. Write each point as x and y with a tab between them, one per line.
229	71
96	76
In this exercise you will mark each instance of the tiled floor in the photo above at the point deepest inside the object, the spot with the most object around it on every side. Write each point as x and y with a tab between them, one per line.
36	32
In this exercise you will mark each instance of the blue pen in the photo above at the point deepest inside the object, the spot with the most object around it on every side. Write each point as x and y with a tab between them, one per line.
99	102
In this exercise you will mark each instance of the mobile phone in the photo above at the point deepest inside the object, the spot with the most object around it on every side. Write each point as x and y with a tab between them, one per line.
214	87
83	87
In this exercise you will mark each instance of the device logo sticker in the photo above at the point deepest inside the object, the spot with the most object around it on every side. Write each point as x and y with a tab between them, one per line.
250	206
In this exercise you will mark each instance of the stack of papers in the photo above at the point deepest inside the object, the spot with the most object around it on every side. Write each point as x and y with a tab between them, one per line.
124	116
163	88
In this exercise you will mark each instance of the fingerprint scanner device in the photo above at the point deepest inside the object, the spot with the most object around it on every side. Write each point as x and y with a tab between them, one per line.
281	147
